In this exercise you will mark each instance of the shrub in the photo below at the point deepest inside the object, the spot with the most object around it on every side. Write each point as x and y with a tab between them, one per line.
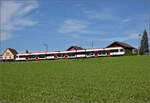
128	52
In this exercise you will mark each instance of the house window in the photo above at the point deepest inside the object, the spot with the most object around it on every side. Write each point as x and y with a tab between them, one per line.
7	54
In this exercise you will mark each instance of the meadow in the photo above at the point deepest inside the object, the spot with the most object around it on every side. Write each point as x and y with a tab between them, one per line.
123	79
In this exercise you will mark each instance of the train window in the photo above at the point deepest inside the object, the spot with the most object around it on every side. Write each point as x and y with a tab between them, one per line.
72	54
41	56
60	55
16	56
22	56
49	55
32	56
115	50
63	55
102	52
81	53
121	50
89	53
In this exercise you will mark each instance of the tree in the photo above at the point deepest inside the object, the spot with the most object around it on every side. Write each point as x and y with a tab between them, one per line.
144	44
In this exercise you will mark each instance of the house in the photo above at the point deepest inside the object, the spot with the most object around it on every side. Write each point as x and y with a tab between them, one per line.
74	48
9	54
127	47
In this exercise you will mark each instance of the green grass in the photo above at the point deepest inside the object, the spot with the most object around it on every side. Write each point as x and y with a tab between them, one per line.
100	80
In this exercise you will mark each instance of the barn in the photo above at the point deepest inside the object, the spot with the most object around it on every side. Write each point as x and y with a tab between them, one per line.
128	48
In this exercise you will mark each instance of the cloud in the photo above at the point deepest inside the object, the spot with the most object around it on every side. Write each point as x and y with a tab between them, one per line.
105	14
121	38
31	5
73	25
14	16
78	5
25	22
125	20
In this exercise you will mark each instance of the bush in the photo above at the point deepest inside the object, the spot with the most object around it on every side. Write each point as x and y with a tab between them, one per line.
128	52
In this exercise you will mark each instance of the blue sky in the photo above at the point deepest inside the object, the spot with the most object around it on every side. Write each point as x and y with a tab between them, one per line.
28	25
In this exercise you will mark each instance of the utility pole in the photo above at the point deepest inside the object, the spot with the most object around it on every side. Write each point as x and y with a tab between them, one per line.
92	44
46	47
139	35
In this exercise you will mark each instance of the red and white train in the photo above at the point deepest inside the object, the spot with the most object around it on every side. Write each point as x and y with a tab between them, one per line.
68	54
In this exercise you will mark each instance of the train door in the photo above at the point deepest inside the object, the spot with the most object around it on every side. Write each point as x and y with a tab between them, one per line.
27	58
36	58
108	53
66	56
96	55
55	57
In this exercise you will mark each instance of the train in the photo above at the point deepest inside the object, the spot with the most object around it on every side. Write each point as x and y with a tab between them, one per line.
70	54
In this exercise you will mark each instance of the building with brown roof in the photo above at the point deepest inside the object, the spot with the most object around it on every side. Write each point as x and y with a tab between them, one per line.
74	48
127	47
9	54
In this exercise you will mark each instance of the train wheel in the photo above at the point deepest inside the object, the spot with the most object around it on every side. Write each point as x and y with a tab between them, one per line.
108	54
36	59
66	56
96	56
27	59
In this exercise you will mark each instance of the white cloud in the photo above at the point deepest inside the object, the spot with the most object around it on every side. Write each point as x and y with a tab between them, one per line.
105	14
75	35
78	5
25	22
123	38
31	4
78	27
8	10
14	16
73	25
125	20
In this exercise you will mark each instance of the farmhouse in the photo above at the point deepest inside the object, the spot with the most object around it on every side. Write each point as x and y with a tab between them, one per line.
9	54
127	47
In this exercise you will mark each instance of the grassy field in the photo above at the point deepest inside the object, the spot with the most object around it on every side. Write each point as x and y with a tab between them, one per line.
100	80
